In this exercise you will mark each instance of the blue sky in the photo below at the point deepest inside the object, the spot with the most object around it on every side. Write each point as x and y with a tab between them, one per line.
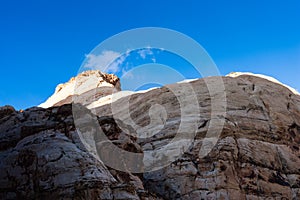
44	43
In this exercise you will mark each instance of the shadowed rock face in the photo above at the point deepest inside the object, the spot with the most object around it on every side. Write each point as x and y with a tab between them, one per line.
42	157
256	157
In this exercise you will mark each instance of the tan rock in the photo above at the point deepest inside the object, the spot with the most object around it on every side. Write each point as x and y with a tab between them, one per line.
257	155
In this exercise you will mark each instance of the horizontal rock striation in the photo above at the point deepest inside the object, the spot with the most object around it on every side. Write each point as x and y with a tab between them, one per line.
256	156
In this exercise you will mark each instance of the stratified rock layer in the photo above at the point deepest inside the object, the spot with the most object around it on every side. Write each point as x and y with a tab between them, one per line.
42	157
257	155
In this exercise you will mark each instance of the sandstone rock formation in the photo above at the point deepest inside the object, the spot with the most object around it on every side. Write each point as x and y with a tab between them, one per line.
42	157
84	88
257	155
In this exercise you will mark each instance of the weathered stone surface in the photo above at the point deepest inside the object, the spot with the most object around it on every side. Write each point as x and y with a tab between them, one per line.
6	111
257	155
85	88
42	157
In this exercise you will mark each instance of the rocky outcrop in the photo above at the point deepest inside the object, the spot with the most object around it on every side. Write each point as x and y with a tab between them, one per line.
6	111
85	88
257	155
42	157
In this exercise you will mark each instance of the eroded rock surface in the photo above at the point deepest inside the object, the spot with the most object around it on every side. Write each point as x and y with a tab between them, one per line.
42	157
257	155
85	88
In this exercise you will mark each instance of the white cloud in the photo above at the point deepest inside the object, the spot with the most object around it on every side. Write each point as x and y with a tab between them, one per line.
112	62
103	61
117	65
145	52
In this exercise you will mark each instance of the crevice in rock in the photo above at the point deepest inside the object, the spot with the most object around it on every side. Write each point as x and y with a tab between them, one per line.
203	124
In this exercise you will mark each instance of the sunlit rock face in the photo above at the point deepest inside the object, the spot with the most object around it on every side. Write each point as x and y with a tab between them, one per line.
85	88
269	78
257	155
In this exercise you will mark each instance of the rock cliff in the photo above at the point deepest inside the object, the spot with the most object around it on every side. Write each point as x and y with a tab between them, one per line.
257	154
86	88
42	157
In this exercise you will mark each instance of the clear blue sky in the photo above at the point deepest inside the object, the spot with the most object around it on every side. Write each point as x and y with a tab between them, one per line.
44	42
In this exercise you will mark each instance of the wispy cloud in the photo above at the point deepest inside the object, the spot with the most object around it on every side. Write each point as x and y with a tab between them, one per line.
114	62
145	52
103	61
119	63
